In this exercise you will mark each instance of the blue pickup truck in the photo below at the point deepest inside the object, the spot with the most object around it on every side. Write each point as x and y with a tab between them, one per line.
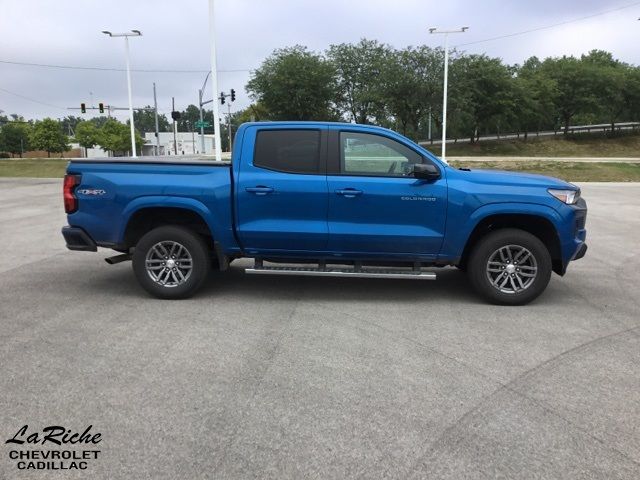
324	199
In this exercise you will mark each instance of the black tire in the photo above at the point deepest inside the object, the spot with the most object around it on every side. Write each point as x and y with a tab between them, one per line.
481	278
186	282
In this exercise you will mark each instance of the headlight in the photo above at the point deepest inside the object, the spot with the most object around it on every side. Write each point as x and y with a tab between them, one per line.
569	197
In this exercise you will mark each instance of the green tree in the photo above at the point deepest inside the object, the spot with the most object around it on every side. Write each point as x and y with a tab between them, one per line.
412	84
359	70
116	137
47	135
532	108
486	85
87	135
575	84
188	119
295	84
69	123
615	85
145	121
15	137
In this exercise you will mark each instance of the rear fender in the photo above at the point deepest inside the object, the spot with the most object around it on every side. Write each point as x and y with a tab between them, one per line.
195	206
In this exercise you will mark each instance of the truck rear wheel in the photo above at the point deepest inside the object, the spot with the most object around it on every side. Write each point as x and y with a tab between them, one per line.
171	262
510	267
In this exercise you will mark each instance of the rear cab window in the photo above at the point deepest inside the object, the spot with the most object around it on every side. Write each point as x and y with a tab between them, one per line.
288	151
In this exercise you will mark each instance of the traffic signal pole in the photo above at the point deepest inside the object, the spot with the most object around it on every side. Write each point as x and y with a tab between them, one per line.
229	124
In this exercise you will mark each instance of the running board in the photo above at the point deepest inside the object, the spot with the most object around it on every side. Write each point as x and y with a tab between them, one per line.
343	272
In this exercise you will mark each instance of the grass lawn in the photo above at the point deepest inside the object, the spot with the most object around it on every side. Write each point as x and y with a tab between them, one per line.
580	145
33	167
571	171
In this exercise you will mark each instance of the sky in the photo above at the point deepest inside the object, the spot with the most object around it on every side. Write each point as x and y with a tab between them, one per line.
176	37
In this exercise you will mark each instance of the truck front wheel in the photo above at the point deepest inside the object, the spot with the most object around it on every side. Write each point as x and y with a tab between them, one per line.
510	267
171	262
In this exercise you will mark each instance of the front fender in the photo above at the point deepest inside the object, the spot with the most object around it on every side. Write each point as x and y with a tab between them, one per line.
159	201
459	230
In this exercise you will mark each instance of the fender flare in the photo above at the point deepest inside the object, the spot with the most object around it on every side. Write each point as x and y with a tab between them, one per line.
160	201
457	247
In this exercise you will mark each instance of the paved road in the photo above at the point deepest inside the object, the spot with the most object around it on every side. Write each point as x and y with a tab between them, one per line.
289	377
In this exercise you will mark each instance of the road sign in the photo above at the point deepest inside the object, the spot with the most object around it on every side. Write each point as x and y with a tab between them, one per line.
200	124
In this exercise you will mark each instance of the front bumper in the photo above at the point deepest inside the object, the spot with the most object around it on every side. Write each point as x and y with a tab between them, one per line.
79	240
581	252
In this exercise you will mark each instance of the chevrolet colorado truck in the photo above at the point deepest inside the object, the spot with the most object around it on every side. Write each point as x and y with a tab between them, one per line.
324	199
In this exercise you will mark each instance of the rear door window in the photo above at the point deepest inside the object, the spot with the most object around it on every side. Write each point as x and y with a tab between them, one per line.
289	151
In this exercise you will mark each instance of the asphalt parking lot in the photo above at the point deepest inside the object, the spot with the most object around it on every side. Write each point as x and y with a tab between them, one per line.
287	377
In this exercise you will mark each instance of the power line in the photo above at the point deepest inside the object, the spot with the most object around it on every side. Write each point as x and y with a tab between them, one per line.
31	99
239	70
109	69
537	29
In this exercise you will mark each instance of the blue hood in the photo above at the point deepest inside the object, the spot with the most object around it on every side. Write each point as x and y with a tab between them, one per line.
503	178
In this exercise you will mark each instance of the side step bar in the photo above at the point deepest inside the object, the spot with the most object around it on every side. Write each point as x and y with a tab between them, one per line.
342	272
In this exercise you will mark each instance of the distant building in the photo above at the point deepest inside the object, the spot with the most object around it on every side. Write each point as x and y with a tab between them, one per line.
187	143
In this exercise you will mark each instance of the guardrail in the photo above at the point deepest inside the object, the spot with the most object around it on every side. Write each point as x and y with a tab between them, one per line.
600	127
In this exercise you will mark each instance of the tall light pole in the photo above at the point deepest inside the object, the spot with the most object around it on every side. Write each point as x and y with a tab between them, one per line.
214	80
446	82
126	35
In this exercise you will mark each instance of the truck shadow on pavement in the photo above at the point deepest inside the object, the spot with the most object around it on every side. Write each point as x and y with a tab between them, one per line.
450	287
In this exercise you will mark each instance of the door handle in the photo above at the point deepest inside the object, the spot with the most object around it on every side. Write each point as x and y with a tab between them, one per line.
349	192
259	190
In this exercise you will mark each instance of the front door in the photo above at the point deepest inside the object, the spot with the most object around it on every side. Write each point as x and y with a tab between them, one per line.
282	191
375	205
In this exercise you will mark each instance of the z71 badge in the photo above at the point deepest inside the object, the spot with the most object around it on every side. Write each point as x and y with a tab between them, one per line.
91	191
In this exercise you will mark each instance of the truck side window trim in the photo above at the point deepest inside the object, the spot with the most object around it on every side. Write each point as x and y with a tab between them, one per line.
321	152
336	163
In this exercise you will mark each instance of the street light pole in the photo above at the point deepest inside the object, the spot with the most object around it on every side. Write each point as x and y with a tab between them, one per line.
155	114
214	81
134	33
446	84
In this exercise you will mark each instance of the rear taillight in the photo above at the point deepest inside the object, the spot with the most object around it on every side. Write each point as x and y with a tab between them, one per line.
68	192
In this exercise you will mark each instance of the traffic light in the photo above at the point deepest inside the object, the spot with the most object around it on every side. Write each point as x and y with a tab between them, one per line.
101	107
221	98
233	95
83	108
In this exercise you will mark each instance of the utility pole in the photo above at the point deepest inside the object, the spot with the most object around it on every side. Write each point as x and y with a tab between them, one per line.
155	112
134	33
175	125
193	139
446	81
229	123
430	137
214	80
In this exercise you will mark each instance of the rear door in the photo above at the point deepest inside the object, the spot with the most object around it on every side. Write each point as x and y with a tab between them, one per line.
375	205
282	190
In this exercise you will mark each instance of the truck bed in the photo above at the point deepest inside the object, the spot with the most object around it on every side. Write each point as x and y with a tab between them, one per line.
165	159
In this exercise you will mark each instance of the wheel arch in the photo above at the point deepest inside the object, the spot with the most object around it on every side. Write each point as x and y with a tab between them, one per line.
538	225
145	214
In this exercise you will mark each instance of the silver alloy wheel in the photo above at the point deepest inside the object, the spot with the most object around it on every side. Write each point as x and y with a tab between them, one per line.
169	264
512	269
